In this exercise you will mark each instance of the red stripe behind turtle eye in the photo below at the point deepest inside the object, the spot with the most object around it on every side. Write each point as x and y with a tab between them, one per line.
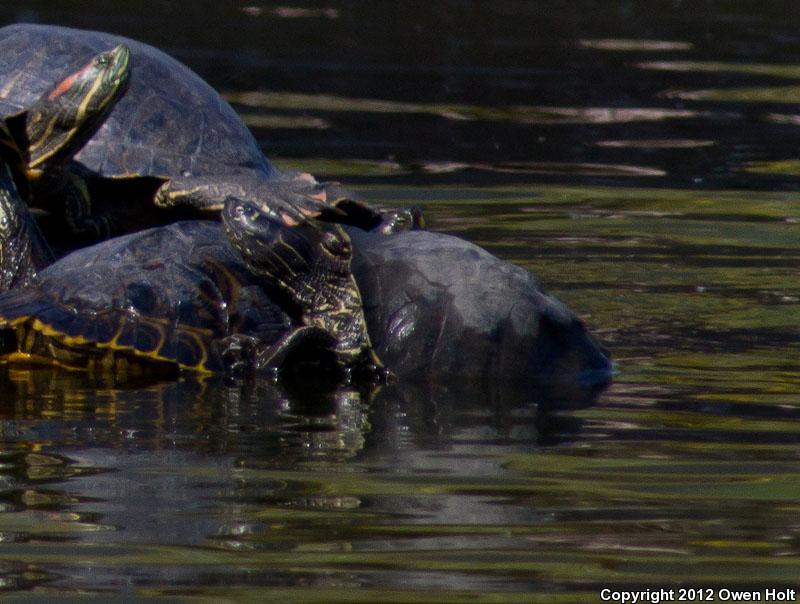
65	85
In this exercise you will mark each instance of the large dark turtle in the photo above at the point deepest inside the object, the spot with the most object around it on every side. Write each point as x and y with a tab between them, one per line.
442	308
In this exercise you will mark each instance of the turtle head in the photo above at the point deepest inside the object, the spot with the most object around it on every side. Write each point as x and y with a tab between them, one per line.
274	244
68	115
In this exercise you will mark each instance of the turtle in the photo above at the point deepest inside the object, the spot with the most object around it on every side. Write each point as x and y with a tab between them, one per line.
171	141
34	145
200	297
442	309
36	142
51	127
176	298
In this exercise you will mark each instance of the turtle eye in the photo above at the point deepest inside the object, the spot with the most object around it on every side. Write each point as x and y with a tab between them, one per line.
103	61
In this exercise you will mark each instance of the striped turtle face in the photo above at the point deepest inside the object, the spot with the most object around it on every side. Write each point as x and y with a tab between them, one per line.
68	115
290	255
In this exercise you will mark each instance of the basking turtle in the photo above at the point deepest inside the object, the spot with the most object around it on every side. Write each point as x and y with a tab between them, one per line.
176	296
187	296
172	140
36	142
51	127
439	307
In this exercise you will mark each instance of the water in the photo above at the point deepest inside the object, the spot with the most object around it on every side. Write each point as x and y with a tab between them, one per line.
641	158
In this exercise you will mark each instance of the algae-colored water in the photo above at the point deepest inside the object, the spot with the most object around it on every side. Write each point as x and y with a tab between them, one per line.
640	158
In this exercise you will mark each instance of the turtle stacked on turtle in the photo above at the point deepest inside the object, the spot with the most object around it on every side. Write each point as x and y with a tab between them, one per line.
272	286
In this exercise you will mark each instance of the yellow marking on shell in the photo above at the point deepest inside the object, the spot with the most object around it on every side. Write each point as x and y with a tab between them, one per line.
26	357
47	330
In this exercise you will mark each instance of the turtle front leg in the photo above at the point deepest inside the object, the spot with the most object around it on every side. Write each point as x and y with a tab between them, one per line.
291	202
302	351
66	196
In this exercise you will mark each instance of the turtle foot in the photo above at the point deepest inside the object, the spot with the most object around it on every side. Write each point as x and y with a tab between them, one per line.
238	353
398	220
369	371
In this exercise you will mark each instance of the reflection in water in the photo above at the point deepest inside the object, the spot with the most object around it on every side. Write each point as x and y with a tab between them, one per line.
240	467
755	69
762	94
635	45
290	12
656	144
433	167
520	114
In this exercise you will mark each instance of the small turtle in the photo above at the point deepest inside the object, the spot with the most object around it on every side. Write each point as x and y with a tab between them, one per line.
307	267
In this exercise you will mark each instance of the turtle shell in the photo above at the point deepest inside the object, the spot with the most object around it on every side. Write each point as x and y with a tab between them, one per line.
165	294
170	121
439	307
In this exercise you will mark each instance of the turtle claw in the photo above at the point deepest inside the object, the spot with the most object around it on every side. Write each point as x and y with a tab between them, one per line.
399	220
238	353
367	371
